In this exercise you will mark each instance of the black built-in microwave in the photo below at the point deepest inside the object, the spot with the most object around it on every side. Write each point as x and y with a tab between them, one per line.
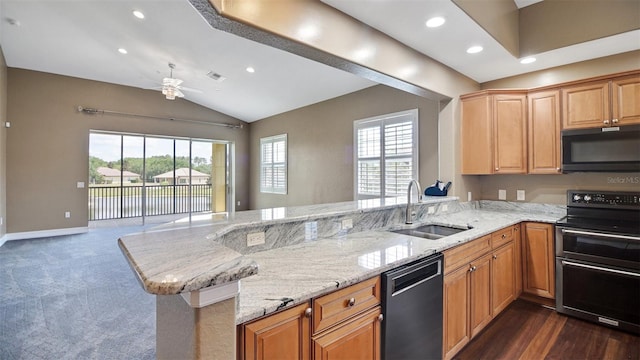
610	149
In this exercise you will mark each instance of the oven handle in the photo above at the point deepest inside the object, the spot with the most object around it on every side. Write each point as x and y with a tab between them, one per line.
621	272
588	233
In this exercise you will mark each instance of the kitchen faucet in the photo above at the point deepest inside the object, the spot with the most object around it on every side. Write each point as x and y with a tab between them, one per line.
408	214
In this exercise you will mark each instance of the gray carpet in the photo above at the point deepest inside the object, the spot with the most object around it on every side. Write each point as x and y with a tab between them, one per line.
73	297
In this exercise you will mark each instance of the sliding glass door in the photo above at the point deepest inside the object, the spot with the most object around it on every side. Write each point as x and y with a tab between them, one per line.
141	176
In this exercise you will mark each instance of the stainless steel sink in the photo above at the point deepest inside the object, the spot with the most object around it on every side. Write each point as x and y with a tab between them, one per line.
431	232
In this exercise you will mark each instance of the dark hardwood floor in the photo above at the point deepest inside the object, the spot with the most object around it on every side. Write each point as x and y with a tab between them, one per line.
527	330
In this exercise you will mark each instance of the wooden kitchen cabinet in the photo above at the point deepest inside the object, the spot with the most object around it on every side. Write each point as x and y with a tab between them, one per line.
344	324
602	103
538	259
359	338
503	277
480	313
494	134
625	99
479	282
283	335
544	126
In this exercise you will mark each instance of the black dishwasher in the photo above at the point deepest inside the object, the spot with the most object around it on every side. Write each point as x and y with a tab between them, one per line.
412	307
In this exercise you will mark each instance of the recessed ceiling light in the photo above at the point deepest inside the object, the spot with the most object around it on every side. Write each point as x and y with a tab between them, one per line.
474	49
251	70
527	60
122	51
138	14
435	22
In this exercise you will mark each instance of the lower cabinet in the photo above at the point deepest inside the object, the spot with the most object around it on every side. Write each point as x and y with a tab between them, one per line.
356	339
344	324
538	257
479	288
283	335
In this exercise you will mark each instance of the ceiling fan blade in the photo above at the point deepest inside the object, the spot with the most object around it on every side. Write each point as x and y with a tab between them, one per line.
178	93
171	82
190	89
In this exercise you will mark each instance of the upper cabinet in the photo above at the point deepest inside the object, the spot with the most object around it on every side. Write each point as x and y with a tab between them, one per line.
544	132
494	135
603	103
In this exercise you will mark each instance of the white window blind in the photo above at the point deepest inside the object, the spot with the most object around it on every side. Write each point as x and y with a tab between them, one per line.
386	155
273	164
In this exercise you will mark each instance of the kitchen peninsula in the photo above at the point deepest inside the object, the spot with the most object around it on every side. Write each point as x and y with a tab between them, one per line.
298	253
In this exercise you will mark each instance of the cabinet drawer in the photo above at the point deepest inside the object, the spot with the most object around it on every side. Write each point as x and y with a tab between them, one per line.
331	309
501	237
457	256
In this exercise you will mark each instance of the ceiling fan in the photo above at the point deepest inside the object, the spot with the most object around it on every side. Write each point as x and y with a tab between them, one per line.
171	87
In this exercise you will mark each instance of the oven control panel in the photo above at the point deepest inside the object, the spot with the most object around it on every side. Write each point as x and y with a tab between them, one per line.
603	199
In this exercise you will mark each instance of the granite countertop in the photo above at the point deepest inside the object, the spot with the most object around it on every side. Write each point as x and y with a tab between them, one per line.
297	273
186	256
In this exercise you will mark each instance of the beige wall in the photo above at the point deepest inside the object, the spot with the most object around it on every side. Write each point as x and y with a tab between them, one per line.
320	144
48	142
3	145
552	188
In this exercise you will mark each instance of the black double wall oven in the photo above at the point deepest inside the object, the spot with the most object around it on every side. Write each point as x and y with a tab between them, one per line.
598	258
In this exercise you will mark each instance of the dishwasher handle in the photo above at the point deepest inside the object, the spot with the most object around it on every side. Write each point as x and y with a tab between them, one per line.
407	278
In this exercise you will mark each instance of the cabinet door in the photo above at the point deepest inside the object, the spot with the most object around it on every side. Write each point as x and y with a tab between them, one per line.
586	106
538	261
284	335
476	136
510	134
626	100
480	294
456	311
356	339
503	280
544	132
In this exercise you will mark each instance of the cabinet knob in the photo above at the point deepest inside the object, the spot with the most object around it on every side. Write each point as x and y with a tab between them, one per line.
472	268
615	121
497	169
380	317
495	257
606	122
351	302
504	236
558	169
307	312
515	228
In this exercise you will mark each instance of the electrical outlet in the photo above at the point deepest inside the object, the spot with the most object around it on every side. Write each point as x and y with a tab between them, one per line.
347	224
431	210
444	208
520	195
67	214
502	194
254	239
238	203
1	220
469	197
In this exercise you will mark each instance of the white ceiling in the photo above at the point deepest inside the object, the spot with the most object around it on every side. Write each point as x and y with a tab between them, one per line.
81	39
405	20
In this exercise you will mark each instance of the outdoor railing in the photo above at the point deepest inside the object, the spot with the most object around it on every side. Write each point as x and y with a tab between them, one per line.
116	202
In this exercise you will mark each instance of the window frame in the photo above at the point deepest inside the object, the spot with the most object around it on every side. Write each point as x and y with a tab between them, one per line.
273	165
381	121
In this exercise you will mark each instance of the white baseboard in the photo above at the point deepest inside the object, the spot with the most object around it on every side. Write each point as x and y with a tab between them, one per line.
45	233
3	239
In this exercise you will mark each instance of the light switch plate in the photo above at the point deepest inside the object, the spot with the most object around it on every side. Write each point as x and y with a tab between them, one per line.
469	196
254	239
67	214
444	208
502	194
80	184
347	224
431	210
520	195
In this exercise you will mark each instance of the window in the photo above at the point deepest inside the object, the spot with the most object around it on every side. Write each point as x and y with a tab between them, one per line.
386	156
273	164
